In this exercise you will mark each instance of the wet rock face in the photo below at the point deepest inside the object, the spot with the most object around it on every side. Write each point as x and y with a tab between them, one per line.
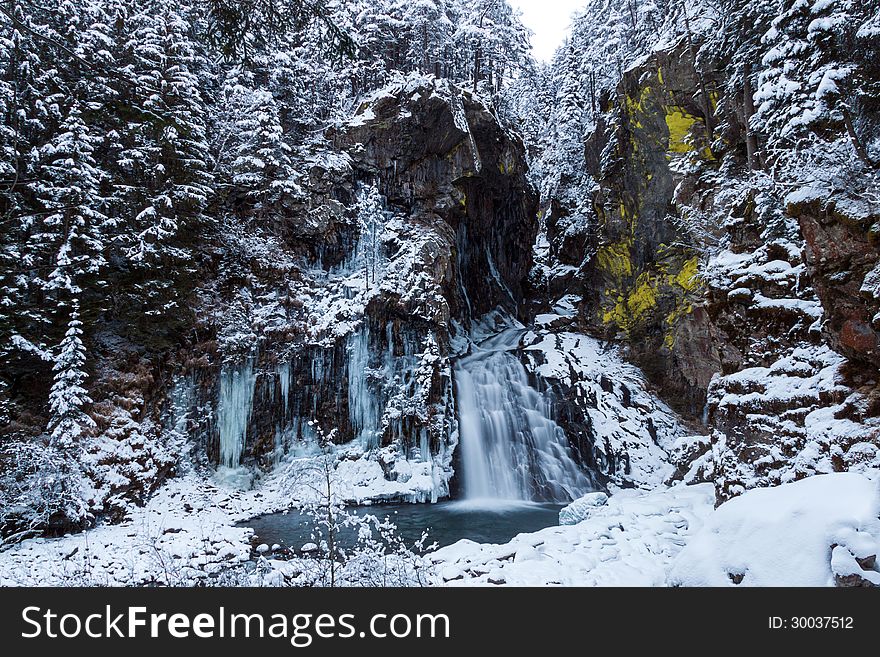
844	263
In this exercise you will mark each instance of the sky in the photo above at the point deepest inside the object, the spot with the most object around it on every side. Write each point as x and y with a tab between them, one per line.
549	20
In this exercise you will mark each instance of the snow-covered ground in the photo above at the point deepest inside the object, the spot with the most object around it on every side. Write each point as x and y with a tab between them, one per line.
812	532
631	541
808	533
805	533
185	534
630	424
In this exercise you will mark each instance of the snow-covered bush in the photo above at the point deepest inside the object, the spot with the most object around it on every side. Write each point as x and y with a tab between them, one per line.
379	557
41	486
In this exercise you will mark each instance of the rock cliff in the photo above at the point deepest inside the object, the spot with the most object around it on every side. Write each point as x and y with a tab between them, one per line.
749	306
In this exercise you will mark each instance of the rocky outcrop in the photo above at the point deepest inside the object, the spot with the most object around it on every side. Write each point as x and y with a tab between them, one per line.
417	217
844	262
739	304
439	155
638	265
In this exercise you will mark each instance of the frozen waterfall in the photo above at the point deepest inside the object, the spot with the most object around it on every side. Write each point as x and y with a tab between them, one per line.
234	410
511	447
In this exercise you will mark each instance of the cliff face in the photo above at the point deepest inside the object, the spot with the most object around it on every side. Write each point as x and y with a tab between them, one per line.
441	157
750	308
416	220
643	280
843	257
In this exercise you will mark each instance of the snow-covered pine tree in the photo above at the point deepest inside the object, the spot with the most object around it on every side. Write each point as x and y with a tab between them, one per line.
810	80
429	30
496	41
68	398
28	116
261	158
72	222
166	157
173	136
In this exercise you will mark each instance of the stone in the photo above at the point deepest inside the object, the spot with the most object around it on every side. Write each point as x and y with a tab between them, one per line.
581	508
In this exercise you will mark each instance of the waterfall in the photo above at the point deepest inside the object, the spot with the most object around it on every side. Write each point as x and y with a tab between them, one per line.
511	447
234	410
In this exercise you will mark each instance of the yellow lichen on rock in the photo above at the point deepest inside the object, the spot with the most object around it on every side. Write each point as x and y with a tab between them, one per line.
630	309
680	124
643	297
636	106
688	278
506	167
615	259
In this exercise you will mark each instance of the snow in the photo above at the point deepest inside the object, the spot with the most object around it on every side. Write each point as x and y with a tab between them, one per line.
630	541
811	308
581	508
363	118
870	29
811	433
184	535
625	417
187	535
782	536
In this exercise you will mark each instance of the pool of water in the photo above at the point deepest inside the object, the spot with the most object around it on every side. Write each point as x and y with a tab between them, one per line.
447	522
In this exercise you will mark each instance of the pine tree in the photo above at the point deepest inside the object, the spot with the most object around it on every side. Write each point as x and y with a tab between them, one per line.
172	140
68	399
429	31
73	221
810	80
165	156
262	163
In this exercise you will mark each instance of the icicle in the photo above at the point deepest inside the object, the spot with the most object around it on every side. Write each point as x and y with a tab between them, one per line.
424	446
363	406
182	399
234	409
284	373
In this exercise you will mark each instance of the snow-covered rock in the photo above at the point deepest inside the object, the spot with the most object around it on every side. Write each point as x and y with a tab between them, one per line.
581	508
630	541
784	536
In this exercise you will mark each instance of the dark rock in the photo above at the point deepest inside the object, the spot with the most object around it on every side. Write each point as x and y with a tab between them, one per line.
838	243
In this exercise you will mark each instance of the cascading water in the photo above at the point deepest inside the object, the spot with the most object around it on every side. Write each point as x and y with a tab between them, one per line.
511	447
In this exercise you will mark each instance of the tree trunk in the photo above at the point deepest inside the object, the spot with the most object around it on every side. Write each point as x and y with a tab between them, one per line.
856	142
477	64
425	48
593	92
749	111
